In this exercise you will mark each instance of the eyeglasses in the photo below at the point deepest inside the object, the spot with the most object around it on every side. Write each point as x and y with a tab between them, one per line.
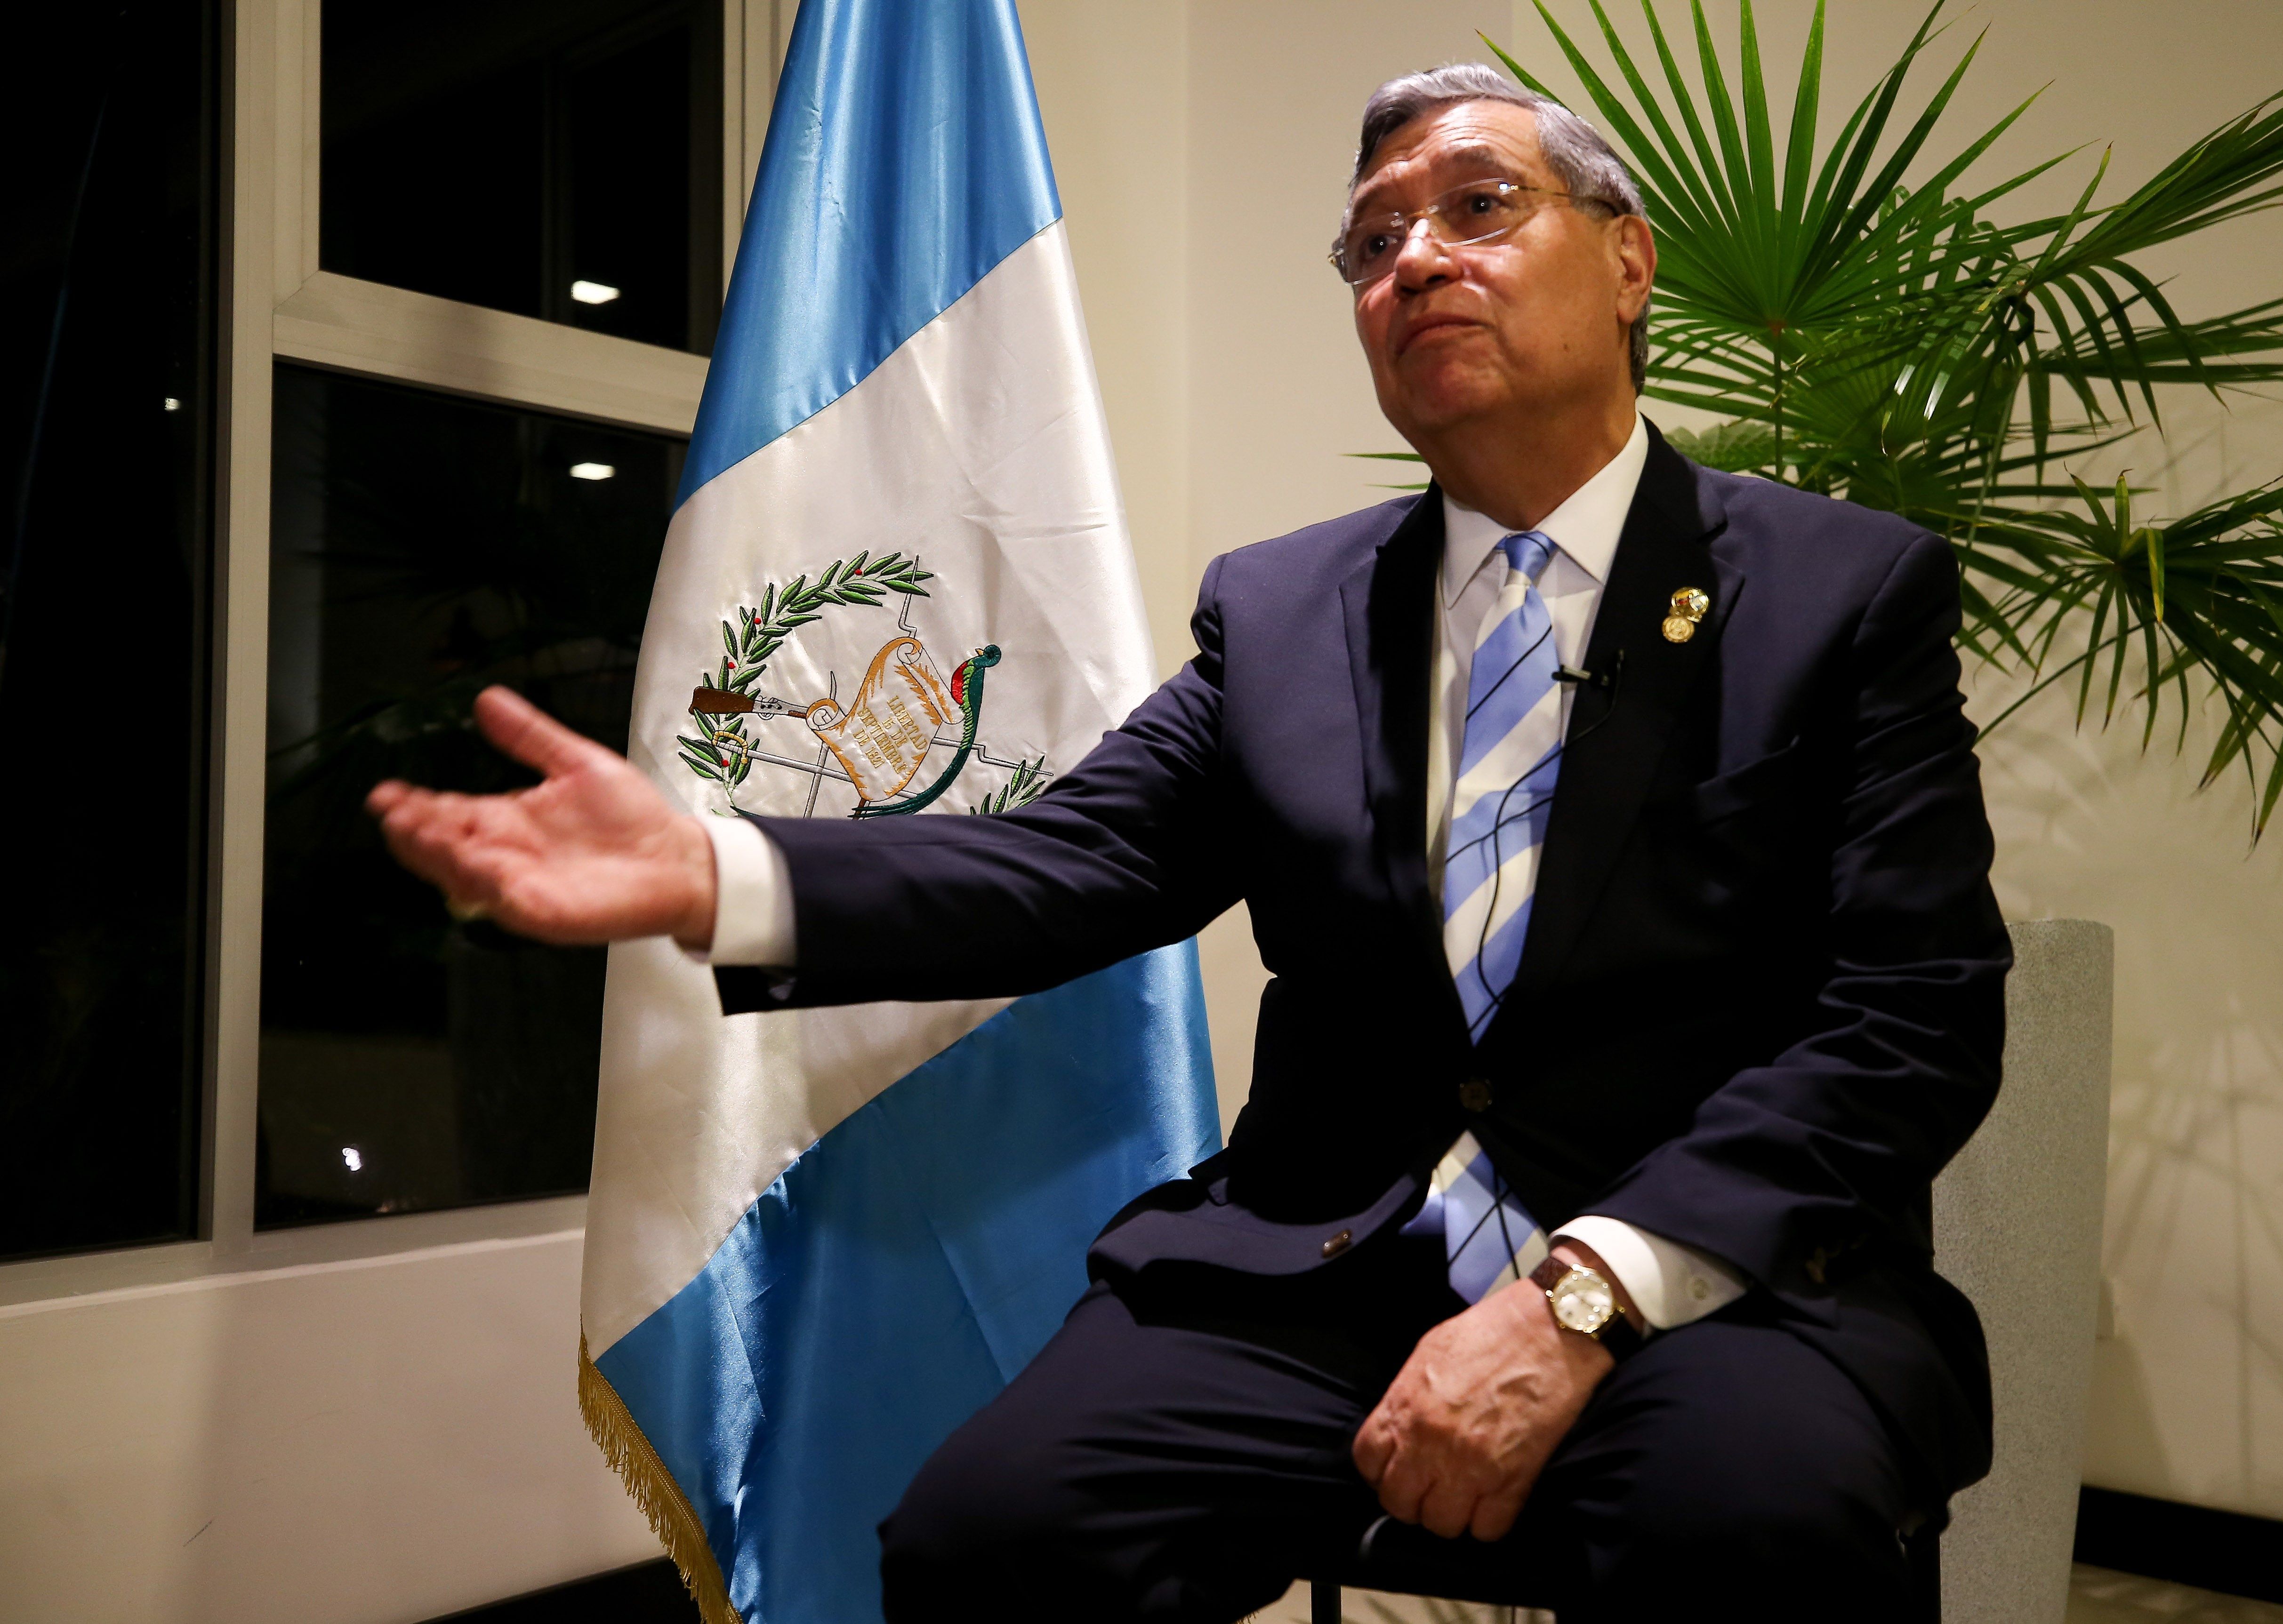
1479	212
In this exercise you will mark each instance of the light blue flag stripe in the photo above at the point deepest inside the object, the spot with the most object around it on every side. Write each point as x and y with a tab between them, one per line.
905	159
894	1278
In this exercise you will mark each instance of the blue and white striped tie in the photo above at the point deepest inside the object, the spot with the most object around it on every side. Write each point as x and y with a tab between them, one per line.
1489	1239
1511	750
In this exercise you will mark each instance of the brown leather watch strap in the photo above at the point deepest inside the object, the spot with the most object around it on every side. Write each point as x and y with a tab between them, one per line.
1618	1334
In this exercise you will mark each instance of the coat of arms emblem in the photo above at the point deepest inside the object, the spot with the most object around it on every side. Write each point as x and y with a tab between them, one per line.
899	741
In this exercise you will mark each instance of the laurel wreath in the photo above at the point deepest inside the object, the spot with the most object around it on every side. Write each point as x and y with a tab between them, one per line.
752	639
1026	786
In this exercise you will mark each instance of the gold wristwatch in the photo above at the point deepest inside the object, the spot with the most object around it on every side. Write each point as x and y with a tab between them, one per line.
1583	1300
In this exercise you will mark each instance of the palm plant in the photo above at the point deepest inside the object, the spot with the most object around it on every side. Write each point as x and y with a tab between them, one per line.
1904	347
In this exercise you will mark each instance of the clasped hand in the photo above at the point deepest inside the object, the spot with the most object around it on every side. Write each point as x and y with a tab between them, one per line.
1457	1441
593	854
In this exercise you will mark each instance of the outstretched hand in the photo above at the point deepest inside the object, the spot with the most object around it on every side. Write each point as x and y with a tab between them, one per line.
594	854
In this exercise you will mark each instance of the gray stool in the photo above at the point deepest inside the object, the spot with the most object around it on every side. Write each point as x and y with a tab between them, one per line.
2017	1222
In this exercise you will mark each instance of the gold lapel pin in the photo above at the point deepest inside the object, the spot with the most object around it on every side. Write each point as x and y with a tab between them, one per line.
1689	605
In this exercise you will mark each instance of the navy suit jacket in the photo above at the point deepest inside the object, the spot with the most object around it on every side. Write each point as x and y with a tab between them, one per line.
1761	1000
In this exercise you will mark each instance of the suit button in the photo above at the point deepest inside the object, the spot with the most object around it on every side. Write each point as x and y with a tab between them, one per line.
1339	1243
1474	1094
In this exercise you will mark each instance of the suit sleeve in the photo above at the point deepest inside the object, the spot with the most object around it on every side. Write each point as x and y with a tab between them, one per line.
1123	853
1793	1169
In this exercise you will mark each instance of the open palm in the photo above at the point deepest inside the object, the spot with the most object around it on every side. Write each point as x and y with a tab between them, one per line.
593	854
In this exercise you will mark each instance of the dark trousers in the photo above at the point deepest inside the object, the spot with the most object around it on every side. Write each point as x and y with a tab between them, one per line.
1179	1451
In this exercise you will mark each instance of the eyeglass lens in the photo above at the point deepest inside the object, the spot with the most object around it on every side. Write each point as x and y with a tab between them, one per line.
1475	212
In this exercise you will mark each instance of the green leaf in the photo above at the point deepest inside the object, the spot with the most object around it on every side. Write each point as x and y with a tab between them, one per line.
1913	348
1733	448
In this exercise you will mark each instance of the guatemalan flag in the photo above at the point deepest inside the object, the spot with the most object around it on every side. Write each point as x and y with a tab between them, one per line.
897	583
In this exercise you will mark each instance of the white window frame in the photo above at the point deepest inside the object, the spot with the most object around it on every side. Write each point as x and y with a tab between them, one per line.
277	304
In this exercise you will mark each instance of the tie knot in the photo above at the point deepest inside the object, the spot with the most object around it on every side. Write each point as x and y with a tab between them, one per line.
1529	552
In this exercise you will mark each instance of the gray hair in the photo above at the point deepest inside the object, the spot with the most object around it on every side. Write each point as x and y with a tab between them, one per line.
1573	149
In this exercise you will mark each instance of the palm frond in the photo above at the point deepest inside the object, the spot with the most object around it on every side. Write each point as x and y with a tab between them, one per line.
1901	345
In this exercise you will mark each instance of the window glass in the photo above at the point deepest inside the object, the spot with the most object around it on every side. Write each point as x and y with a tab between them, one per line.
561	159
108	114
423	547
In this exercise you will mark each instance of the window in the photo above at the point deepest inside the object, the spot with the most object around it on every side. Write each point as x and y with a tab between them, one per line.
558	159
106	416
496	264
421	547
292	380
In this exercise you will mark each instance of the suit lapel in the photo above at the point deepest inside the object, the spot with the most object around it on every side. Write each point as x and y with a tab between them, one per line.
1617	733
1389	602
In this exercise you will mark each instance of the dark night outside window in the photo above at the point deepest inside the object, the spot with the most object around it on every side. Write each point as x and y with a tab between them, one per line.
422	547
560	158
108	117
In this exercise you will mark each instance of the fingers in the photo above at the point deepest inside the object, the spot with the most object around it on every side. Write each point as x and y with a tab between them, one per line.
1494	1513
1404	1472
521	729
1428	1478
442	838
1404	1489
1375	1446
1448	1508
1449	1497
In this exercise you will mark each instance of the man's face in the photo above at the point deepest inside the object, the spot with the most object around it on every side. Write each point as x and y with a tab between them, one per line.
1536	322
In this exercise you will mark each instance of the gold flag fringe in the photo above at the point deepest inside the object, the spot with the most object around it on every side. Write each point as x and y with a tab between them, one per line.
654	1489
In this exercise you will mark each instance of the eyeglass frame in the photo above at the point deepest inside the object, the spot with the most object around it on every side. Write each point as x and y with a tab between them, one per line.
1412	217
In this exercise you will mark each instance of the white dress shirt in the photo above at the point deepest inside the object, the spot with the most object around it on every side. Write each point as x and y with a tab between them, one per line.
1670	1283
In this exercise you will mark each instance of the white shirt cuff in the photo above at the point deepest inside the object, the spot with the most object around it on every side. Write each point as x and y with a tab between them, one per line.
752	898
1671	1284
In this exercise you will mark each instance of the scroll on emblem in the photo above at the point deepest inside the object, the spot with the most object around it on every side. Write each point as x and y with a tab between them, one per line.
1690	605
884	734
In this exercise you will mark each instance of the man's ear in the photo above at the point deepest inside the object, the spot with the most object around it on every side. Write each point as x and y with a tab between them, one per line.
1633	245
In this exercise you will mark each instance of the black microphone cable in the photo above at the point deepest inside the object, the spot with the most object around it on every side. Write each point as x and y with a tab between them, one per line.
1615	683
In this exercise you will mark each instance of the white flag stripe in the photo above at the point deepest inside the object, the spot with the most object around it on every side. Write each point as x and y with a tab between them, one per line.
1003	484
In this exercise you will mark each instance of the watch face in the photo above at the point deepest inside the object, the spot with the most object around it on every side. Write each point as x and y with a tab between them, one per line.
1583	1301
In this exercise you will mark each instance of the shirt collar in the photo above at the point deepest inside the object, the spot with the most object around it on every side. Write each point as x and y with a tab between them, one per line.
1585	527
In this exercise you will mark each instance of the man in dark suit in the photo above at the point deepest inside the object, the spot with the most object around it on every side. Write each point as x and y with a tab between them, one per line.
1611	829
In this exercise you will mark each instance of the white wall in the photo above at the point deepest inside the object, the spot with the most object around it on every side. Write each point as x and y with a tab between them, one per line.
375	1440
1202	150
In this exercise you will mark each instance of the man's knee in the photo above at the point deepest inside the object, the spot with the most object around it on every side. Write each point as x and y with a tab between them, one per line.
1762	1475
970	1523
1773	1512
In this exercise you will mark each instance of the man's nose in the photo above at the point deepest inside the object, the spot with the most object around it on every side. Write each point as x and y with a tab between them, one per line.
1424	260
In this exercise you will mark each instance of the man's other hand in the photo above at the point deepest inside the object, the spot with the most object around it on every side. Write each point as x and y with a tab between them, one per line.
594	854
1457	1442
